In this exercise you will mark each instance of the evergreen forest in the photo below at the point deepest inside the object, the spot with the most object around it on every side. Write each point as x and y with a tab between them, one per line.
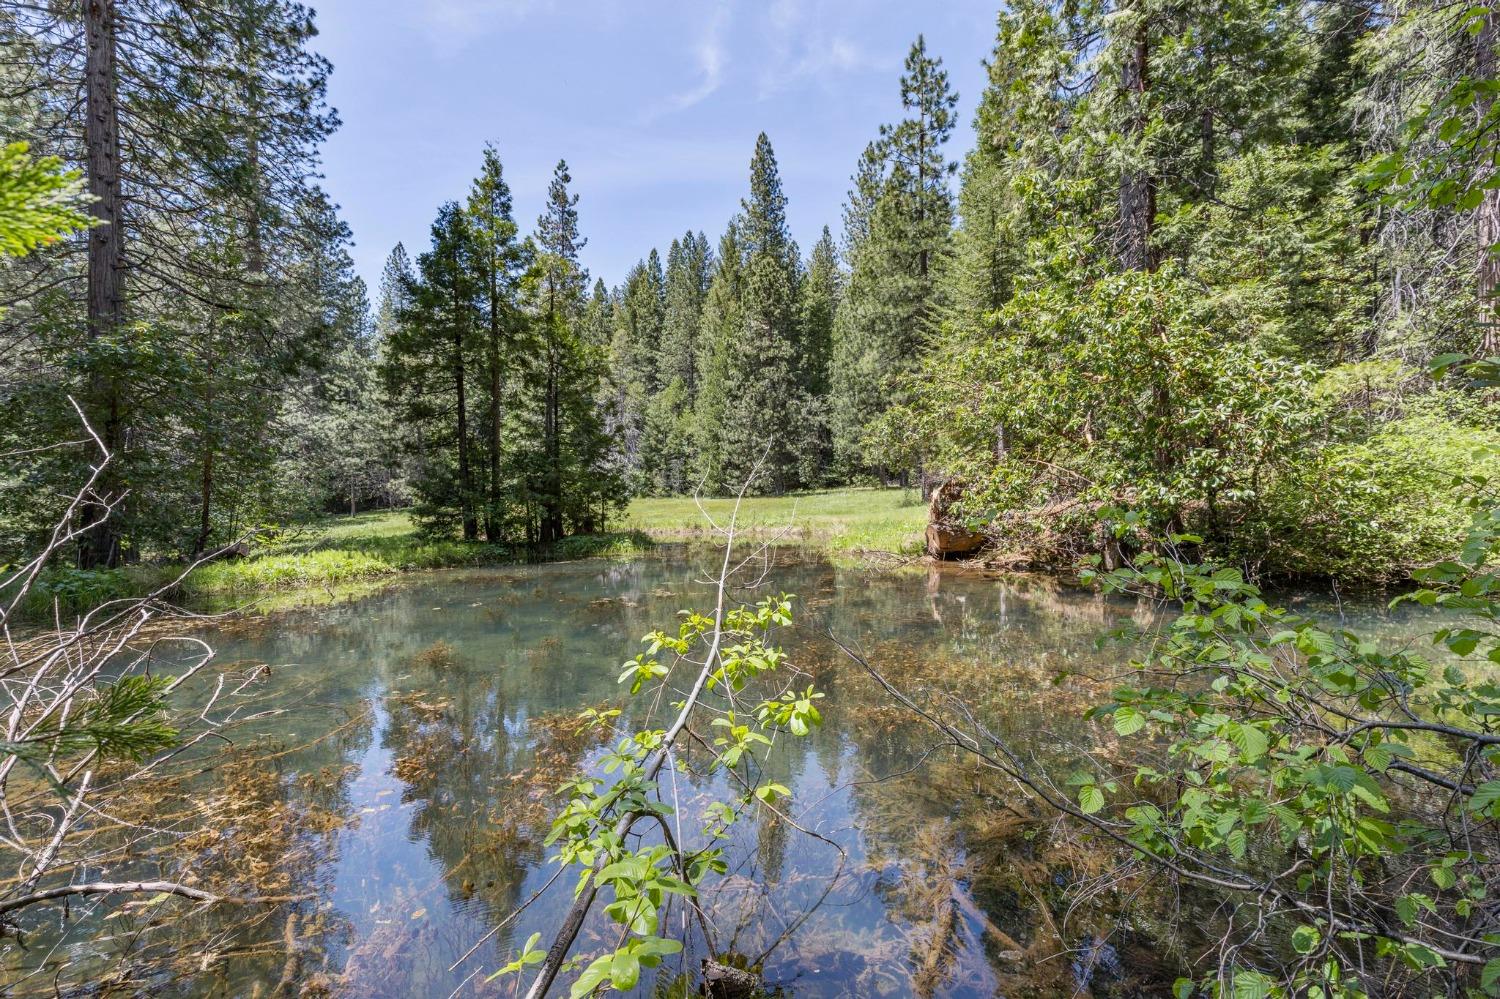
1199	264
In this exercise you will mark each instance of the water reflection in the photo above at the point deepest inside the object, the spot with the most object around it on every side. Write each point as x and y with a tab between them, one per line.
398	790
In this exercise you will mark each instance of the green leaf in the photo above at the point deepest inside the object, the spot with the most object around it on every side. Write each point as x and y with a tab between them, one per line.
1251	985
624	971
1305	939
1128	720
1485	796
593	976
1489	978
1250	741
1090	799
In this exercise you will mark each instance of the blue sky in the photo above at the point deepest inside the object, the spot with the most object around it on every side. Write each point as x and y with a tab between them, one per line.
654	104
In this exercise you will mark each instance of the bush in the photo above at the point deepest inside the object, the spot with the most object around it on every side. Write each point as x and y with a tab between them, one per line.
1373	510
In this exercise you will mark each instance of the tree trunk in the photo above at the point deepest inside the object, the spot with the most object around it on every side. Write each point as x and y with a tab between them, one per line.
205	504
1487	222
1137	186
206	473
492	525
552	504
106	264
465	474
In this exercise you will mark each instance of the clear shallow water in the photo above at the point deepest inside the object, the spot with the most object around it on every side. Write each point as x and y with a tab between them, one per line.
400	783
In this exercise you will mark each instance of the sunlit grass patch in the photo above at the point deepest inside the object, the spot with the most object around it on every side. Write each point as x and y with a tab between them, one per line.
837	519
269	572
347	549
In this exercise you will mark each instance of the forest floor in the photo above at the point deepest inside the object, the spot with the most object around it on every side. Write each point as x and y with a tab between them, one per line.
342	550
838	520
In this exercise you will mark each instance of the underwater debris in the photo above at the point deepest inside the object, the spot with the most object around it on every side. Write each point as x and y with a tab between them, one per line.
438	655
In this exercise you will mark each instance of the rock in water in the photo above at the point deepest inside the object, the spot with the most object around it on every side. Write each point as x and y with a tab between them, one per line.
720	981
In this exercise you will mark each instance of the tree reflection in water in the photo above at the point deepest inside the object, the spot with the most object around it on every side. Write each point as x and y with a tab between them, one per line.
404	787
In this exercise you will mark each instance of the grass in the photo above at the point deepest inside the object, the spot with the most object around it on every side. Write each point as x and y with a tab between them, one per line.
343	550
890	520
335	551
349	549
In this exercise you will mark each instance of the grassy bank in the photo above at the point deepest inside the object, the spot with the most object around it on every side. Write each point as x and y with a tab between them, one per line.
343	549
330	552
889	520
346	549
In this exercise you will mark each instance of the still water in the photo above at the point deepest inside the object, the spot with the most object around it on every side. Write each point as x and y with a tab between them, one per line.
393	774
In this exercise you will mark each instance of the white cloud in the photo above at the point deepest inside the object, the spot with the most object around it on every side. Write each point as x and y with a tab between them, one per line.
711	57
805	42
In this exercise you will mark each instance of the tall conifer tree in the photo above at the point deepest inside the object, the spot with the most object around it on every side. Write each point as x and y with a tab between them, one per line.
765	398
898	231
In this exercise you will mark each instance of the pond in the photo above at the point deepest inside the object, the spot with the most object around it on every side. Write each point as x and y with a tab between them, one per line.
395	772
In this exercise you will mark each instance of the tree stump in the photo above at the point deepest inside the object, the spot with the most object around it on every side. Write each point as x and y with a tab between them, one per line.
946	537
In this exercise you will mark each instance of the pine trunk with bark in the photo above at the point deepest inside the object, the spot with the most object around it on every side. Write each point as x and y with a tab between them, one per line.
492	525
106	266
1137	186
1487	221
465	473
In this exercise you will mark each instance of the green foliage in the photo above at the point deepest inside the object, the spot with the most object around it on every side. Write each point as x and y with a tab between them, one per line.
639	878
201	337
39	201
898	237
1110	388
494	378
1378	507
122	720
1337	780
762	359
351	558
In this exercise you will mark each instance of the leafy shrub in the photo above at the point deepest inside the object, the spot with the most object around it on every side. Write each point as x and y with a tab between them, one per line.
1373	510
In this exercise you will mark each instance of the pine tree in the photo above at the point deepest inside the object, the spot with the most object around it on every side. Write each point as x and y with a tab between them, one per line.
499	259
635	350
765	403
1016	126
567	369
818	303
689	268
866	183
898	229
598	317
666	451
197	128
723	322
822	290
919	167
557	235
428	370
